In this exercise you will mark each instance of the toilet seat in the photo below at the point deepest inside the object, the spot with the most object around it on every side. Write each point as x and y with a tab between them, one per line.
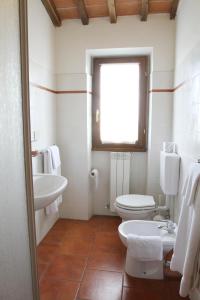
135	202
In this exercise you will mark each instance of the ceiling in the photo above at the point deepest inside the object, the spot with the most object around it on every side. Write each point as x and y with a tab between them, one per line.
86	9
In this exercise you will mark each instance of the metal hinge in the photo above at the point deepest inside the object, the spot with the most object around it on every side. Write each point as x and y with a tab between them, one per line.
97	115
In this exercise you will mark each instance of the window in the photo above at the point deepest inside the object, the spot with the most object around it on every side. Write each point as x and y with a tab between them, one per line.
119	105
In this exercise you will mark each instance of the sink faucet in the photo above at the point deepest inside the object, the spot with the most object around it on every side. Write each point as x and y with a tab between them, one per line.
170	226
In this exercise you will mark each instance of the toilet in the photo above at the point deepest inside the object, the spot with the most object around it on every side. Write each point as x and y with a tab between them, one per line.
142	207
146	269
135	207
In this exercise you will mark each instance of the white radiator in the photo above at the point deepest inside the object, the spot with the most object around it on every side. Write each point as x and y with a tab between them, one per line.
119	175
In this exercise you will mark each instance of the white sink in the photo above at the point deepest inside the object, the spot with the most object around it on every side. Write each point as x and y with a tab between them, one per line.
47	188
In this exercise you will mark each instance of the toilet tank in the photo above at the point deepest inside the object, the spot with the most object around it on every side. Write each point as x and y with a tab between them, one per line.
169	173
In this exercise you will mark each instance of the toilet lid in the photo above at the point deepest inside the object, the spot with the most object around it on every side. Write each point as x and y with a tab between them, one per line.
135	201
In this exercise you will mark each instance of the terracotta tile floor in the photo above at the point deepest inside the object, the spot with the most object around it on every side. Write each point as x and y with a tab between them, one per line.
84	260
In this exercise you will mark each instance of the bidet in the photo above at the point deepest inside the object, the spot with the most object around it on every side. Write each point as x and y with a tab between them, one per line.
146	269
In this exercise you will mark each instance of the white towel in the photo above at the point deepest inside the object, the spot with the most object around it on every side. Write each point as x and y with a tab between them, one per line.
55	153
191	183
145	248
49	168
188	236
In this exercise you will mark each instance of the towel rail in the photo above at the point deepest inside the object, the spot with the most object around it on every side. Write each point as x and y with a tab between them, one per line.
35	153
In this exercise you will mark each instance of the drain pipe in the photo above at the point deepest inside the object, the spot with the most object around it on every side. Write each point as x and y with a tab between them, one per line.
170	205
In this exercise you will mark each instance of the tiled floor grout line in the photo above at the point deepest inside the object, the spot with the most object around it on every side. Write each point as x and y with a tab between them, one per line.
105	270
43	273
87	267
82	278
100	256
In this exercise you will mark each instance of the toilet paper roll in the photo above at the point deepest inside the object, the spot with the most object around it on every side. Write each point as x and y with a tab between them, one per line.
94	174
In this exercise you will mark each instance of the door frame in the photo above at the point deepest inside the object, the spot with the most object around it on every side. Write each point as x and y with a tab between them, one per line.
24	56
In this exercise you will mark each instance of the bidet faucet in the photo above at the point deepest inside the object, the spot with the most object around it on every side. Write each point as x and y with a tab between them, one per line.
170	226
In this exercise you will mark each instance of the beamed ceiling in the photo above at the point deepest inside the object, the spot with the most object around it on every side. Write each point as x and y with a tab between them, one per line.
59	10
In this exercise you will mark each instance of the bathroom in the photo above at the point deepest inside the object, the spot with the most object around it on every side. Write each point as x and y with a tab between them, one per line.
61	96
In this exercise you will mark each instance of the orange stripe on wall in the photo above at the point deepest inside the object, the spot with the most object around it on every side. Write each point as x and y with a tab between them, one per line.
85	91
41	87
176	88
161	91
180	85
72	92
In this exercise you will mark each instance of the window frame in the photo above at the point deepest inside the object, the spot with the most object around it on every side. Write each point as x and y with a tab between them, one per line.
141	145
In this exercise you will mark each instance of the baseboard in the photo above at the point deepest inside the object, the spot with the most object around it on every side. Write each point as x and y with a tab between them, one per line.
195	295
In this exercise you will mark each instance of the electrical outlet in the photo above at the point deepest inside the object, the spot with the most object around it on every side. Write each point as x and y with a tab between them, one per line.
37	135
32	136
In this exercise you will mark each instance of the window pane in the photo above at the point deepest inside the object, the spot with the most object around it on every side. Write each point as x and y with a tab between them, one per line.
119	102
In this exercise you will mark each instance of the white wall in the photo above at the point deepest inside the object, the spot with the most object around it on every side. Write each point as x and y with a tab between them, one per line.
72	139
186	99
128	32
186	119
42	102
72	42
15	268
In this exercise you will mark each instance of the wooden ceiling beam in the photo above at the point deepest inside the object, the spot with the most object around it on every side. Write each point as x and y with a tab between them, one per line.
112	11
144	10
82	12
174	9
52	11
